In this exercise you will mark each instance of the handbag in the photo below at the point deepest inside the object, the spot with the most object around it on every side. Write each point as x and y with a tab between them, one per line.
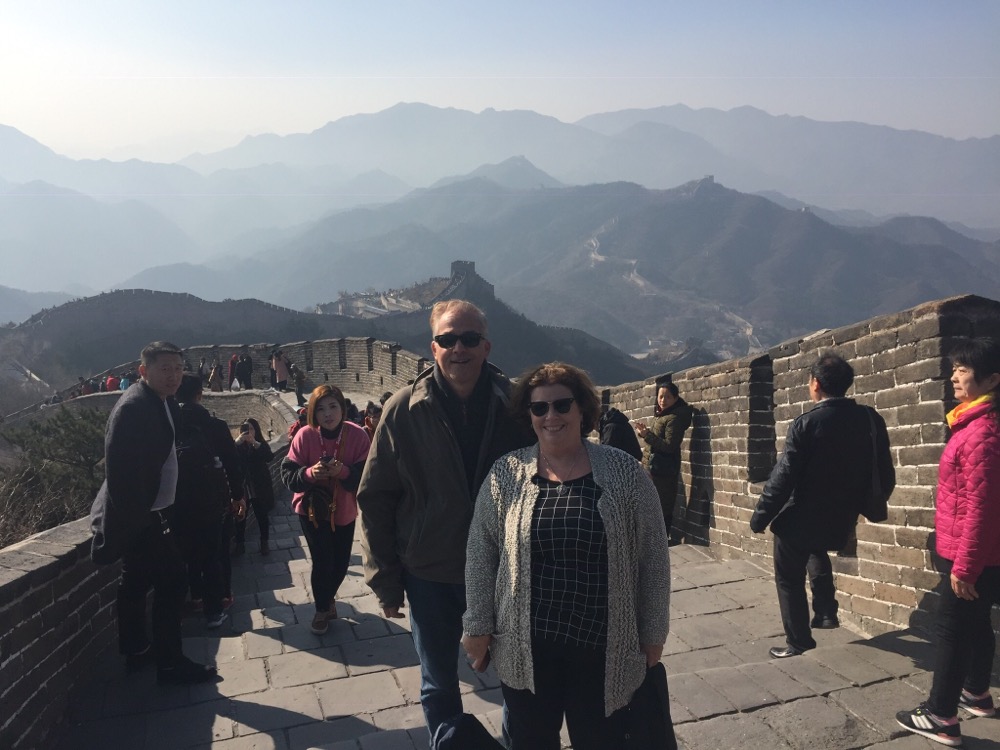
320	500
648	723
320	503
875	507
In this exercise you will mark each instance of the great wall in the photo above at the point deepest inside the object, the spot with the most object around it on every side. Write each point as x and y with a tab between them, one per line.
57	608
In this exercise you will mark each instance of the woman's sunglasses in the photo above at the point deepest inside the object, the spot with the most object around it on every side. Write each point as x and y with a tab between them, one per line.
541	408
469	339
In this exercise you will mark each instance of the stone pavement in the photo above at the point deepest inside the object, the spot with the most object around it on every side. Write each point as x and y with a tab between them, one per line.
357	687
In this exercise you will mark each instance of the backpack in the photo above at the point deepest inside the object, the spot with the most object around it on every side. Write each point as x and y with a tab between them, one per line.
202	485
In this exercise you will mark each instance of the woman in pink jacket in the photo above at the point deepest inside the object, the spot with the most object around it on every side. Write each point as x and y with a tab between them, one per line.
330	452
967	526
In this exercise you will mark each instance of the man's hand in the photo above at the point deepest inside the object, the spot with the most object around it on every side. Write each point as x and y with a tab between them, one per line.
653	654
963	590
392	612
478	649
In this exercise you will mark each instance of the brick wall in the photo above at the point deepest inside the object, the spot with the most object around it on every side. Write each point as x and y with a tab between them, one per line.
886	579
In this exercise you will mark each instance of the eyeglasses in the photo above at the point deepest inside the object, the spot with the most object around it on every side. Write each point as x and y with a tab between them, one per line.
541	408
469	339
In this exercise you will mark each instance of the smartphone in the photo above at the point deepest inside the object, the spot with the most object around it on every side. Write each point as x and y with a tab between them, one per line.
245	428
325	459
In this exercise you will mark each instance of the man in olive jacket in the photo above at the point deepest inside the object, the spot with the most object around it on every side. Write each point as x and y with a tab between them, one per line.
814	495
433	447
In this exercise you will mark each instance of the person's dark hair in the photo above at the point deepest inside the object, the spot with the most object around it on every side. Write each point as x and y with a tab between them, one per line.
190	388
153	350
557	373
256	429
833	373
322	391
385	397
981	355
372	409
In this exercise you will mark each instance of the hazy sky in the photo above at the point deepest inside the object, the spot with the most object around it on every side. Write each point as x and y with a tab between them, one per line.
93	78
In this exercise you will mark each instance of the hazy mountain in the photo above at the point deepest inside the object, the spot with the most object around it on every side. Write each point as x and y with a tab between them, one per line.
842	164
89	335
516	173
17	305
52	238
627	264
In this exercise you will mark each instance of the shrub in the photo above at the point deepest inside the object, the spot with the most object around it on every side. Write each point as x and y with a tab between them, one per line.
55	475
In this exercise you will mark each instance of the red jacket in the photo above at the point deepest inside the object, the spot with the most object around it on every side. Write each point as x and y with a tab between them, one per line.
967	518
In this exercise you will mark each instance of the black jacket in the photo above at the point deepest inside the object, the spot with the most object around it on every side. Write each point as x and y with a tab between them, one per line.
220	440
816	489
617	432
137	442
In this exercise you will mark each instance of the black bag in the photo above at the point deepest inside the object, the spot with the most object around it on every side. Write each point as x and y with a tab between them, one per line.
202	496
875	507
648	724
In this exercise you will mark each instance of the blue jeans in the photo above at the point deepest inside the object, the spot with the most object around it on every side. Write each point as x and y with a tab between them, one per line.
436	611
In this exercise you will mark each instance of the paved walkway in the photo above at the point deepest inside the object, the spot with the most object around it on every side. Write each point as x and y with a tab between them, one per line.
357	687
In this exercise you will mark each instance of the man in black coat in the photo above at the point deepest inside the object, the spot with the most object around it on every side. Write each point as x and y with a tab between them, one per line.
617	432
209	488
814	495
129	517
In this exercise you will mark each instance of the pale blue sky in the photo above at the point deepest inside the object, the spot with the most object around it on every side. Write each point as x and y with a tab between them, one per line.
156	79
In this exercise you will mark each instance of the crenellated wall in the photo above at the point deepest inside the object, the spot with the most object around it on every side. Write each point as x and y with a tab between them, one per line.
56	608
886	579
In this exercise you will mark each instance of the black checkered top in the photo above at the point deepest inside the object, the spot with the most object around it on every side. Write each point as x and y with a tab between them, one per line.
569	563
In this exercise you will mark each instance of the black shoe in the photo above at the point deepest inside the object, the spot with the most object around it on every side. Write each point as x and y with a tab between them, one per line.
783	652
825	623
923	722
186	672
135	662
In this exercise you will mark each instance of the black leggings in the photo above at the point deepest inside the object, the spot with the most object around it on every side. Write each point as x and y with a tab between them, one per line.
331	555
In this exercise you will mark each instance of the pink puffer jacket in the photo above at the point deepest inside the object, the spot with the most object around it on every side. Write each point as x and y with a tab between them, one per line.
967	519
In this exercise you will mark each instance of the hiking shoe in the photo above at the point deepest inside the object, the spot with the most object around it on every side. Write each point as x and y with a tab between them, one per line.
923	722
215	621
976	706
319	624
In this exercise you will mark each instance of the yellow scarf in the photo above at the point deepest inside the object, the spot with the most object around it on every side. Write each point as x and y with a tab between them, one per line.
959	410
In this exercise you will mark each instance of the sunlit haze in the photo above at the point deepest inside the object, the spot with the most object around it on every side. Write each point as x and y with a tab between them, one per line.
118	79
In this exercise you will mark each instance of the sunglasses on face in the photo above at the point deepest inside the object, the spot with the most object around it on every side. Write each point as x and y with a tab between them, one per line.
541	408
469	339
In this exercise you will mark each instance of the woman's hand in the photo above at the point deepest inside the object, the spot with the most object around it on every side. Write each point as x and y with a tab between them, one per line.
653	654
963	590
320	471
641	428
478	649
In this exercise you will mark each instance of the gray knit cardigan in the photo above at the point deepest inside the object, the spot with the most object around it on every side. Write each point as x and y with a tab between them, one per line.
498	568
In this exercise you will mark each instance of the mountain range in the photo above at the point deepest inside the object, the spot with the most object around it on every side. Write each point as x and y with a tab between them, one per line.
608	224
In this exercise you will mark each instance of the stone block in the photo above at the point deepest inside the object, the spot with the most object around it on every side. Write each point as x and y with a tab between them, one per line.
818	724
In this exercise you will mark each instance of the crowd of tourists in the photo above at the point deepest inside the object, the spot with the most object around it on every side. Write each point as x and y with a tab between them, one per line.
485	509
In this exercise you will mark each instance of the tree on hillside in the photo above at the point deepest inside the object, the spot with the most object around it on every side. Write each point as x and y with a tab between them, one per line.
56	473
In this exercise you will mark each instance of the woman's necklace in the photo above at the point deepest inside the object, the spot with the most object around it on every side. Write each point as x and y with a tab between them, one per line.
563	488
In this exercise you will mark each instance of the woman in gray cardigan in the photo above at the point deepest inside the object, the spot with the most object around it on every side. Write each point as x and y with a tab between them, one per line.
567	572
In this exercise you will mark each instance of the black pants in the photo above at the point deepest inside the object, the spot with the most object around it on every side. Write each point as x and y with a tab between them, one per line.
666	488
331	555
790	566
569	680
203	552
965	642
261	509
299	396
153	560
228	525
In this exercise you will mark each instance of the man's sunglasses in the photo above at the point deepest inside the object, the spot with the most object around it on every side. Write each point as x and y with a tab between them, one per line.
469	339
541	408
